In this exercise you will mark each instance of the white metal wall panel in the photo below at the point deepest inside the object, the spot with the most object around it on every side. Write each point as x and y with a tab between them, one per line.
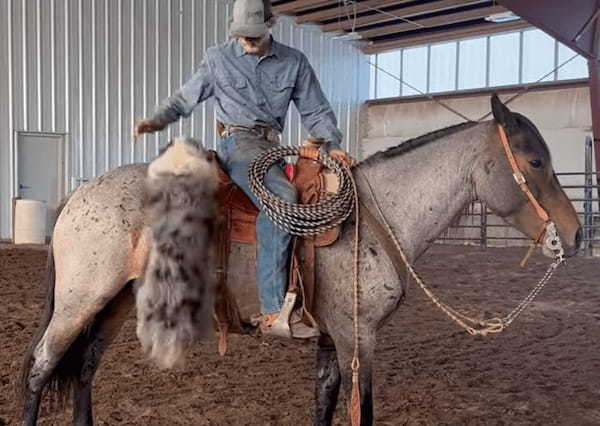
6	112
91	68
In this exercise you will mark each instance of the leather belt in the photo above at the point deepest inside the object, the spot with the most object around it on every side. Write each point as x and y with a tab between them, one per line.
266	132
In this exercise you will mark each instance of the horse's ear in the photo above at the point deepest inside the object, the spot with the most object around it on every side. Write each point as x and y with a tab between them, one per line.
502	114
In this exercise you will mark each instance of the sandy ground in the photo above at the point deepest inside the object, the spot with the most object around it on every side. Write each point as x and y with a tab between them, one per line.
545	369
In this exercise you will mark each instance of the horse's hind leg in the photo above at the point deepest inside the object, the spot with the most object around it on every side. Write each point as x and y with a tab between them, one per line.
71	309
90	348
49	344
328	381
45	364
32	394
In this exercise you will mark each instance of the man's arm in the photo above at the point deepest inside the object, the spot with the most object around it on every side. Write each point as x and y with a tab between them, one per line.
181	104
315	110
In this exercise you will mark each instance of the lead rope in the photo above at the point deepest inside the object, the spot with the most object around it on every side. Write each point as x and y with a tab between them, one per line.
355	398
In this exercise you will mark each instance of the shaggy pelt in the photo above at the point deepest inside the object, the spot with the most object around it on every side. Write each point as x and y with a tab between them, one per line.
175	297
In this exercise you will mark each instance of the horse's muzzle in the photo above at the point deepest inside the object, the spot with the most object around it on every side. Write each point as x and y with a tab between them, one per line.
572	250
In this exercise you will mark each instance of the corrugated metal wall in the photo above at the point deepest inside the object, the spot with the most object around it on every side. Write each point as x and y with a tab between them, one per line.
91	68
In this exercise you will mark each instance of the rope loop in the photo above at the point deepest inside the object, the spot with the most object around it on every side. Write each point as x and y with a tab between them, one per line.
302	219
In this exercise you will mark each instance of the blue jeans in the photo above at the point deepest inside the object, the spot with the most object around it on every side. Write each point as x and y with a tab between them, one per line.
236	152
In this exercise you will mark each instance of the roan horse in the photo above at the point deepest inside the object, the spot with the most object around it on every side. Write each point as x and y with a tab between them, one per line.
101	243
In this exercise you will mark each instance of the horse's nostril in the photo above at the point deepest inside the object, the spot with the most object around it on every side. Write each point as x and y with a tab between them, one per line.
578	239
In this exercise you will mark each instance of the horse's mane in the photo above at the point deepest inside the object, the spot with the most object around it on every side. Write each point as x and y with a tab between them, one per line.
417	142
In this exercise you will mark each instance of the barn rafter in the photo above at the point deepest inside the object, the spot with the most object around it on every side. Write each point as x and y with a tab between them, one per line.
391	24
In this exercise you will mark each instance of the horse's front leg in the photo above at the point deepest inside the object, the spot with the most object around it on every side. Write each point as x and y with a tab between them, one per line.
366	394
335	363
365	378
328	381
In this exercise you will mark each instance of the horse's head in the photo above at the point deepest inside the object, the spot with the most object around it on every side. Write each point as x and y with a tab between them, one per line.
496	186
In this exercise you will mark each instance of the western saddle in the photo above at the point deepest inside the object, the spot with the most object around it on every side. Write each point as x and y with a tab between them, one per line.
238	225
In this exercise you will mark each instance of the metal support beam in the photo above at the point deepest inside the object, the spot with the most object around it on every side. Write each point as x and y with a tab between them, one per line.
570	22
594	68
594	82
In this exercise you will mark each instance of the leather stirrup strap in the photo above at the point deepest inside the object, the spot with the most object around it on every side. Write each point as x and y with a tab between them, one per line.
222	308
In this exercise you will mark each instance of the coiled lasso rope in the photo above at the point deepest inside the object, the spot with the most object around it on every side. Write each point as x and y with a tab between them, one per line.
302	219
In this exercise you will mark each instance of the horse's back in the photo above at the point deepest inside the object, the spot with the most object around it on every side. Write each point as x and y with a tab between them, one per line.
100	239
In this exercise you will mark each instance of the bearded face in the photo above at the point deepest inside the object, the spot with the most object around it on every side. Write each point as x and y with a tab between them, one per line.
256	45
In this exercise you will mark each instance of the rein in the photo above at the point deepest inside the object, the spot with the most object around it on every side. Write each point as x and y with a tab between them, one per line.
551	242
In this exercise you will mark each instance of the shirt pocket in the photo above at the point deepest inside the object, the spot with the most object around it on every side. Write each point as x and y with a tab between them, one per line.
227	82
234	91
279	91
240	83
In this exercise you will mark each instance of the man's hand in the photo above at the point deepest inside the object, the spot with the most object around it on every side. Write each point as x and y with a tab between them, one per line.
147	125
342	157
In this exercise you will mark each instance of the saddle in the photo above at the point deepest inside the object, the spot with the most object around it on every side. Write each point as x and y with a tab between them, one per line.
238	225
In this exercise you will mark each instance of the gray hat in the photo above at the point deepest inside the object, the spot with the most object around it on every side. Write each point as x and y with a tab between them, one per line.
250	17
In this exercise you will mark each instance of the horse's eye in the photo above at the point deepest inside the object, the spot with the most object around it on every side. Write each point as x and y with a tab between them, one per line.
536	164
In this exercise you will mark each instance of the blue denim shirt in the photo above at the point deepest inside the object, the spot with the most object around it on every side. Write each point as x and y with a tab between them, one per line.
250	90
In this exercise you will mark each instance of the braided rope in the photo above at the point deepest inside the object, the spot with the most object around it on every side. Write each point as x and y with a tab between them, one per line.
302	219
486	326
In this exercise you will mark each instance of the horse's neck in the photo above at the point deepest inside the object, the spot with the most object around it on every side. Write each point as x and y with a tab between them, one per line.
421	191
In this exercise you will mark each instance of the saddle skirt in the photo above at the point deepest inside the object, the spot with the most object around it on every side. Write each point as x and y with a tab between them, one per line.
238	225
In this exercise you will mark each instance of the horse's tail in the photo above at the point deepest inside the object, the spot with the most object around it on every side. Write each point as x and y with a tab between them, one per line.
175	299
58	382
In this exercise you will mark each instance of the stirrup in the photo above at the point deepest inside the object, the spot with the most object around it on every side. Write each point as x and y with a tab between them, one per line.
299	329
288	323
281	326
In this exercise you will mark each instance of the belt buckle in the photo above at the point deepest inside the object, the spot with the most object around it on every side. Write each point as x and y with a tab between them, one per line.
272	135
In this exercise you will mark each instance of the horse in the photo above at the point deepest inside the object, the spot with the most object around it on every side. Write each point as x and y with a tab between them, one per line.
101	242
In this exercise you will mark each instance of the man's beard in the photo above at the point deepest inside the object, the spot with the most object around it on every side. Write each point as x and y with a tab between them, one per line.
255	46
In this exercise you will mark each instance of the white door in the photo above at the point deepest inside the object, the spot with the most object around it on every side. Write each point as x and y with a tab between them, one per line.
41	170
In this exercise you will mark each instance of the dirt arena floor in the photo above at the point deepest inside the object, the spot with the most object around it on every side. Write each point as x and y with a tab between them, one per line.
544	370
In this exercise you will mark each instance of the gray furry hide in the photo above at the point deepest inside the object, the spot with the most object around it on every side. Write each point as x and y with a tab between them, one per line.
175	299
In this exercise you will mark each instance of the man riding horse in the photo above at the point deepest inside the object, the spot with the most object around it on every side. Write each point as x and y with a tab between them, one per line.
253	79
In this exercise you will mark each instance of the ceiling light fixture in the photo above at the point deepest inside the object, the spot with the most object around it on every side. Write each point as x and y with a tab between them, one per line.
502	17
351	36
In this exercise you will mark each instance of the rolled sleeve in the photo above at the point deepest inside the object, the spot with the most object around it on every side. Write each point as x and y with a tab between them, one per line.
314	108
197	89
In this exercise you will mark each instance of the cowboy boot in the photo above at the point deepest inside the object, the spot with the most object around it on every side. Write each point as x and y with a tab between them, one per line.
287	323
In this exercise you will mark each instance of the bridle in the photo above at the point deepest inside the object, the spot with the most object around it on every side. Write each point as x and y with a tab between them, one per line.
552	240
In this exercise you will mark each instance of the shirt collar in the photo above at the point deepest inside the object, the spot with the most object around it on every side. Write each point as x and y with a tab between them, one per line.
275	49
237	47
